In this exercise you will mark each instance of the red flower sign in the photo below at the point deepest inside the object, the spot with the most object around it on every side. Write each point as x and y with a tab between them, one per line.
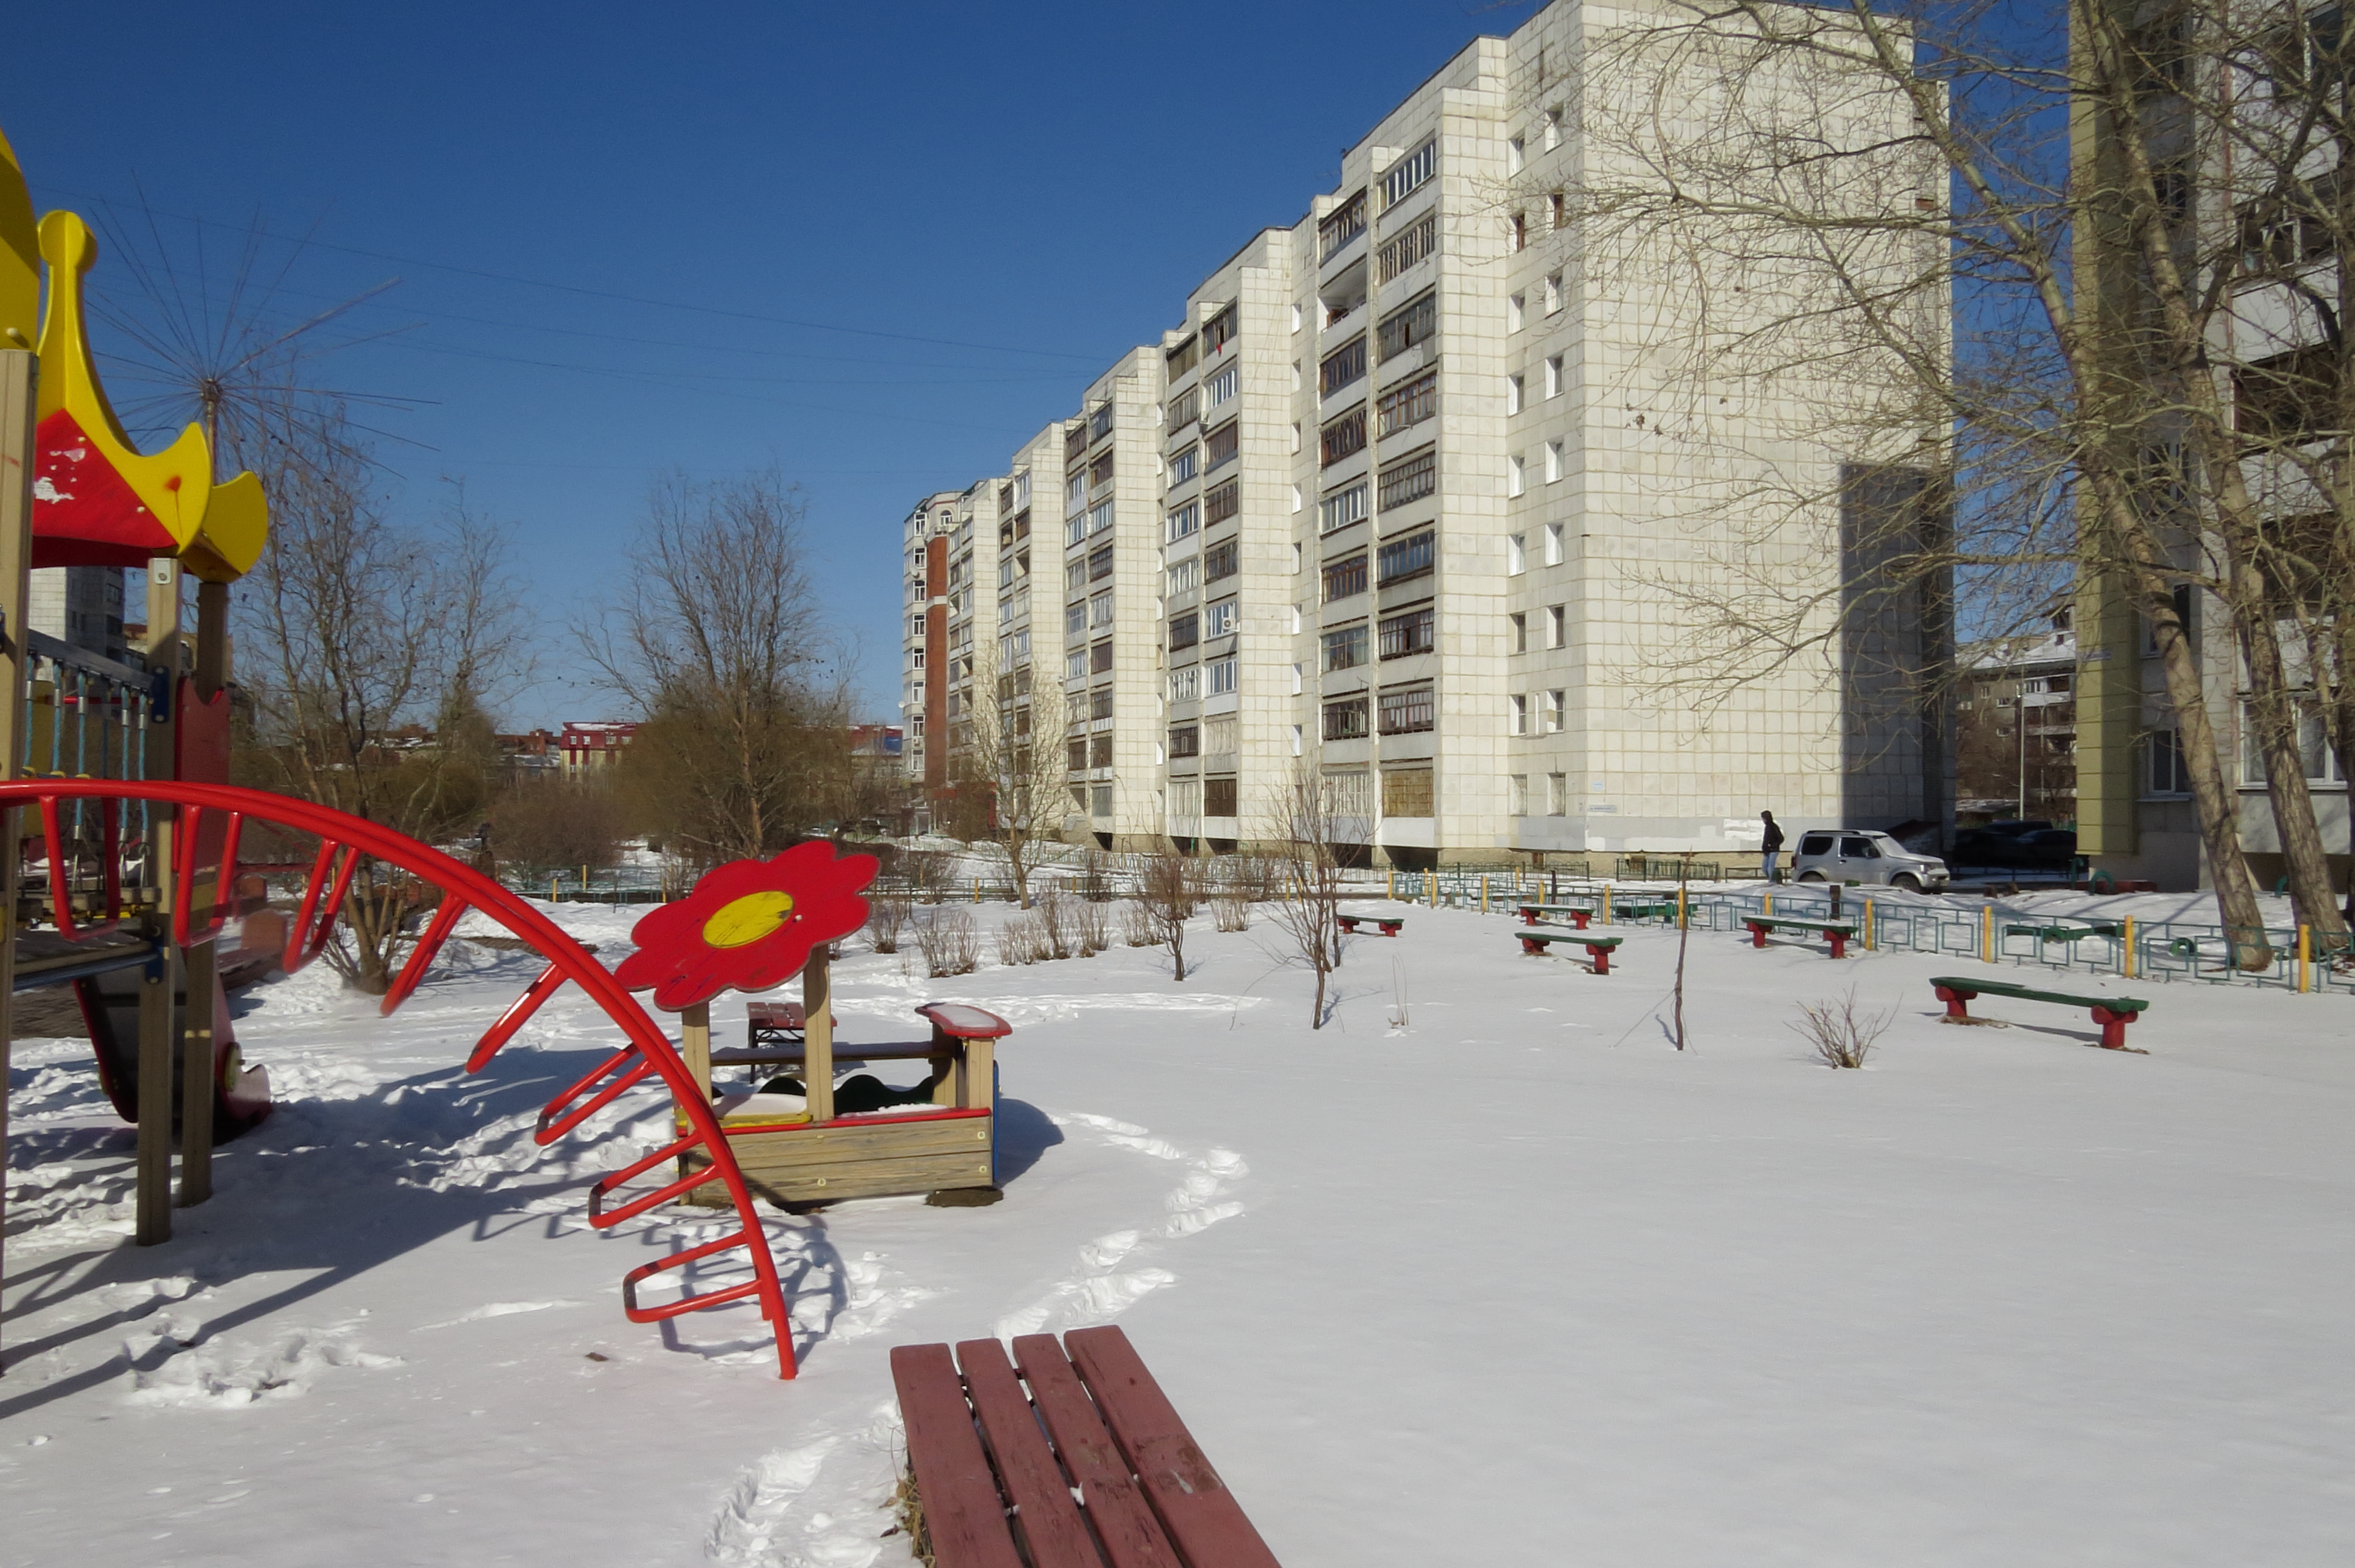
748	925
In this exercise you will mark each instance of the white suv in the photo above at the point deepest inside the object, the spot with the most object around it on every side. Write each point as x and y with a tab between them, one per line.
1850	855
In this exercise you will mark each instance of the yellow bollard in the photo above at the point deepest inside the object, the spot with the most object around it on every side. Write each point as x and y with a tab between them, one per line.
2127	952
1392	891
1868	924
1483	892
1431	880
1606	903
2305	951
977	890
1986	933
1769	910
1680	908
552	889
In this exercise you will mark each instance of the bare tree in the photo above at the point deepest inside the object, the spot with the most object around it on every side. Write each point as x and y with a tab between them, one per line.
1168	892
721	643
1010	753
1307	818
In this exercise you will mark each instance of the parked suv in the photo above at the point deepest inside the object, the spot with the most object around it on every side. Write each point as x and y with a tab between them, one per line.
1850	855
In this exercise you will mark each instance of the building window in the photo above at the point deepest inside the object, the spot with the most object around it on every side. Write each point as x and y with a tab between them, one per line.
1553	712
1219	620
1186	520
1100	610
1408	634
1345	647
1420	240
1553	532
1178	361
1519	232
1341	508
1413	322
1185	576
1221	388
1185	740
1222	677
1410	480
1553	376
1100	564
2287	397
1555	625
1513	391
1219	447
1075	620
1075	576
1344	576
1185	630
1406	712
1516	474
1516	313
1185	409
1553	293
1344	366
1075	754
1100	659
1409	404
1344	224
1558	207
1343	437
1075	489
1345	719
1222	504
1406	792
1518	714
1412	557
1186	685
1218	735
1184	465
1552	469
1514	150
1075	664
1217	332
1409	174
2313	745
1517	556
1217	797
2170	772
1517	632
1222	561
1100	517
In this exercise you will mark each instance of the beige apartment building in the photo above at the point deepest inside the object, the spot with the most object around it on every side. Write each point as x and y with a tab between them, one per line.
1381	508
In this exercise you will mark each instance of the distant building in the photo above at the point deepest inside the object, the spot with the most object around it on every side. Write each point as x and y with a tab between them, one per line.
2016	726
81	605
588	745
531	754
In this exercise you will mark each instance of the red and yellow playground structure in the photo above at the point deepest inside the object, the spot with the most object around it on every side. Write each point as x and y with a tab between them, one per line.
115	788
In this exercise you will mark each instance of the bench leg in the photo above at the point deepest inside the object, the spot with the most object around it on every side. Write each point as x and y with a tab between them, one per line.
1390	930
2113	1028
1602	956
1757	936
1578	917
1958	1001
1350	927
1530	947
1528	918
1839	944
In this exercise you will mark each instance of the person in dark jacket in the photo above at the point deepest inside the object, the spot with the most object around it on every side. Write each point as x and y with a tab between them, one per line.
1771	846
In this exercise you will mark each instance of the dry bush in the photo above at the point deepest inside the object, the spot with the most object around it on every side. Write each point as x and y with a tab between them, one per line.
1232	911
1021	940
927	872
1842	1036
1170	893
544	824
1052	911
1092	920
1137	926
886	916
949	943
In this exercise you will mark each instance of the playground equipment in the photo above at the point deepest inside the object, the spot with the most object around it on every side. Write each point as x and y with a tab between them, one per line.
751	926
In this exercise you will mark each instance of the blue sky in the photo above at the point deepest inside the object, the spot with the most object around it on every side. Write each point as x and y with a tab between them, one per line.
872	246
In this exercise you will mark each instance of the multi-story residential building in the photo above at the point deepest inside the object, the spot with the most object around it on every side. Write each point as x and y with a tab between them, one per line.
1374	512
81	605
2016	726
952	616
590	745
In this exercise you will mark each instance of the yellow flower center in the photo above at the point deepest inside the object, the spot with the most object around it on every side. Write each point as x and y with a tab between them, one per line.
743	921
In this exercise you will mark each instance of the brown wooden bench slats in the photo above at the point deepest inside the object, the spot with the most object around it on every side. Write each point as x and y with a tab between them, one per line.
1053	1533
1132	1536
962	1510
1193	1502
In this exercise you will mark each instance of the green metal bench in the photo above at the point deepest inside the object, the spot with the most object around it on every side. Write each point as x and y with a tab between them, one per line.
1536	939
2112	1012
1837	931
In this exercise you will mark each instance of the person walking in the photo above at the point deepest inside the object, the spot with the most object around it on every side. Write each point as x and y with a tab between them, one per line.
1770	847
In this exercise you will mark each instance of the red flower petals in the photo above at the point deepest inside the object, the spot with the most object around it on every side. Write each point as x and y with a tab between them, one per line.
748	925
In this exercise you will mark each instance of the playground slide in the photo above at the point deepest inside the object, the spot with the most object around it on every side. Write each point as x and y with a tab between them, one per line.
110	1009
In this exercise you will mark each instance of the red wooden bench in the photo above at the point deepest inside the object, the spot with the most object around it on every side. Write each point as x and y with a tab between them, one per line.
1388	925
997	1468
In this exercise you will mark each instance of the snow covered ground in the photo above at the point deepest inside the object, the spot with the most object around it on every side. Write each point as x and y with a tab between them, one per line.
1508	1281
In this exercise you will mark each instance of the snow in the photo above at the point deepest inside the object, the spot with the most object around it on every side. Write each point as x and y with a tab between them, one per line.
1483	1272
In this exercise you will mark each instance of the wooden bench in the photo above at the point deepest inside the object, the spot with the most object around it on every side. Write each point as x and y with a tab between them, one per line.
1535	939
2112	1012
1837	932
1093	1452
1388	925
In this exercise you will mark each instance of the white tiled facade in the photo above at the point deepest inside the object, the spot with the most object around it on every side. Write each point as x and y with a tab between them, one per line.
1380	508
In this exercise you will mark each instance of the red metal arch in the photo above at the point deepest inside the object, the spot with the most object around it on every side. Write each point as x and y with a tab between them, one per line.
648	1051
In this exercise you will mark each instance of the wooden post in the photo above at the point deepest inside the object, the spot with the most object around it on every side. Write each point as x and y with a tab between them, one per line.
695	1043
155	1041
817	1035
16	580
159	1035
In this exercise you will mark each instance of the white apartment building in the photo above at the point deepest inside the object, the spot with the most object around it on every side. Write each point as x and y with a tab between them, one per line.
1381	508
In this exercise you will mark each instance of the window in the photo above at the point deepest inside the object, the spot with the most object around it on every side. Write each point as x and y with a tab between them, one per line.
1100	704
1184	466
1186	685
1180	360
1552	137
1342	367
1406	712
1100	564
1100	426
1553	293
1219	620
1187	519
1420	240
1075	576
1553	376
1553	710
1100	471
1221	676
1100	517
1075	664
1345	719
1517	560
1516	312
2313	745
1409	174
2184	608
915	626
1517	795
1558	207
1185	576
1513	394
1557	794
2170	775
1408	634
1075	754
1513	154
1553	471
1217	332
1185	409
1296	739
2288	397
1345	647
1554	625
1343	437
1222	504
1406	792
1519	232
1218	735
1222	560
1344	576
1516	474
1518	627
1553	536
1412	557
1413	322
1344	224
1099	658
1185	630
1217	797
1409	404
1411	479
1100	800
1221	388
1341	508
1075	530
1075	489
1186	797
1100	751
1185	740
1519	714
1075	620
1100	610
1219	447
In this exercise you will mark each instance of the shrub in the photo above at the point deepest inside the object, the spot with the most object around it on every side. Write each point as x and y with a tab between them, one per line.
949	943
886	916
1842	1036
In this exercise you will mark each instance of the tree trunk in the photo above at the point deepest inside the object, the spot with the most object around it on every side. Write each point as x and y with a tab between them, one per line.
2293	802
